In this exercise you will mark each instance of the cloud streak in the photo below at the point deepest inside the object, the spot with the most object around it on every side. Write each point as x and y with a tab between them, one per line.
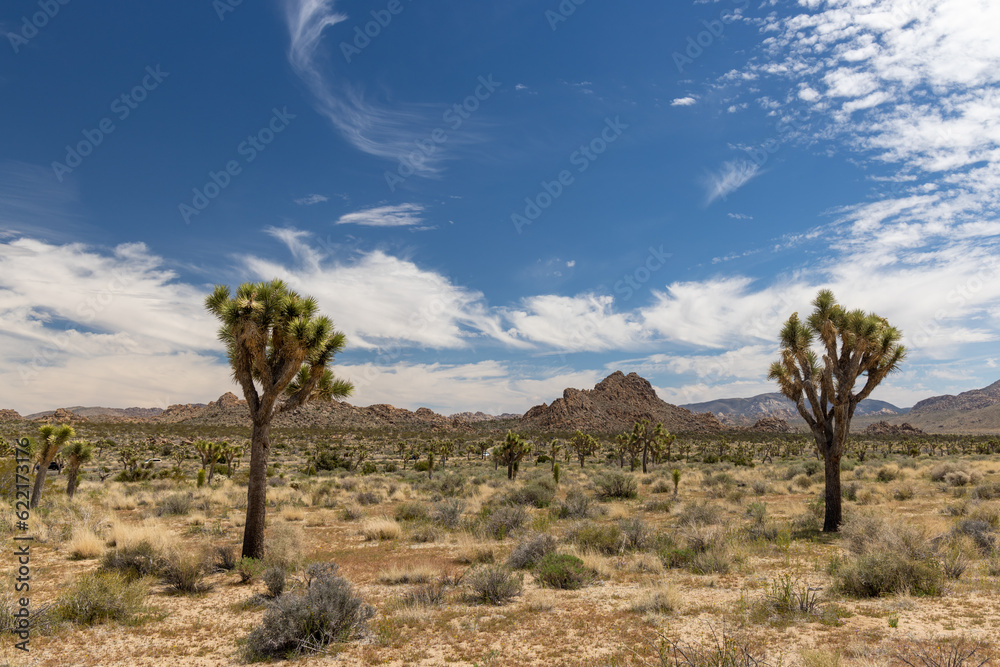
403	215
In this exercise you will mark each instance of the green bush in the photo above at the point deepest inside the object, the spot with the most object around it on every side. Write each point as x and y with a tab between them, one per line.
274	579
562	571
133	561
617	485
411	511
494	584
176	504
100	597
249	569
326	612
421	466
185	572
711	561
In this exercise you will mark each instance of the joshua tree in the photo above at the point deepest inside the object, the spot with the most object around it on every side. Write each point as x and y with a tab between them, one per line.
510	453
51	440
853	344
210	452
584	445
77	452
554	449
278	346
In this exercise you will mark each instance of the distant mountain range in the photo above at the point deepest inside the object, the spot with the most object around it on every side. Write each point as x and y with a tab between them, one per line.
613	404
746	411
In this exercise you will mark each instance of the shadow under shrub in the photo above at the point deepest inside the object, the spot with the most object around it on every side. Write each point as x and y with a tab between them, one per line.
326	612
562	571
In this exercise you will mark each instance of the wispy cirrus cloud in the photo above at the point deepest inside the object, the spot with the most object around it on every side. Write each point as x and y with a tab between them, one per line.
311	200
732	176
372	128
402	215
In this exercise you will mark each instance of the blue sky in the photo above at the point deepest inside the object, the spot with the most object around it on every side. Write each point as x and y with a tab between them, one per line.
494	200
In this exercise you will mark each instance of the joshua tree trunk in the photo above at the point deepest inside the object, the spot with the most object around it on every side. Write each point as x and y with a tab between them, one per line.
36	490
253	533
833	518
71	483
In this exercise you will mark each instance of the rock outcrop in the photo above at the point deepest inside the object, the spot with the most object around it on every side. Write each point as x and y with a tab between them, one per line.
885	428
613	405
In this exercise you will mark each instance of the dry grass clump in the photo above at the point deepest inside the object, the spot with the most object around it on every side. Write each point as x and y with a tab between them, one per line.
494	584
663	599
103	597
84	544
448	512
381	528
283	545
184	571
292	513
472	550
151	531
530	550
887	558
819	658
419	573
134	560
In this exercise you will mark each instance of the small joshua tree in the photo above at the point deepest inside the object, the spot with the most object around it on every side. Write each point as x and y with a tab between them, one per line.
77	453
50	441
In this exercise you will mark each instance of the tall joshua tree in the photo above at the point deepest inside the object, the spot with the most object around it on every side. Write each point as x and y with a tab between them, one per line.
280	350
50	441
853	344
77	453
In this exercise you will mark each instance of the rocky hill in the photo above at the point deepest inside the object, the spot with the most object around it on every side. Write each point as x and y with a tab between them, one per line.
103	414
885	428
975	411
475	417
615	404
10	416
746	411
230	410
975	399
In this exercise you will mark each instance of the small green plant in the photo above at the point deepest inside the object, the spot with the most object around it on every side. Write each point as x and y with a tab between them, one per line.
249	569
134	561
201	477
617	486
893	620
675	475
101	597
555	472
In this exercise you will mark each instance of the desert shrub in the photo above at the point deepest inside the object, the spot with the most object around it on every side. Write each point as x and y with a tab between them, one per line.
658	506
100	597
605	539
494	584
812	466
886	474
412	511
957	478
954	562
226	557
986	491
538	493
176	504
726	649
802	481
981	532
903	492
530	550
499	522
184	572
661	486
449	486
365	498
850	491
41	619
85	544
133	560
275	578
562	571
351	513
704	514
635	534
788	597
760	487
421	466
368	468
617	485
711	561
577	505
423	534
662	600
426	595
249	569
326	612
674	557
876	574
448	512
865	534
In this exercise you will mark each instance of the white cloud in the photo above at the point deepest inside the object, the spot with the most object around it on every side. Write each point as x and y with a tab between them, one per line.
311	200
402	215
683	101
729	178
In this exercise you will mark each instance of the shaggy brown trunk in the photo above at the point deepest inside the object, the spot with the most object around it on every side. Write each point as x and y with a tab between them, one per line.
71	484
36	491
645	455
833	519
253	533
